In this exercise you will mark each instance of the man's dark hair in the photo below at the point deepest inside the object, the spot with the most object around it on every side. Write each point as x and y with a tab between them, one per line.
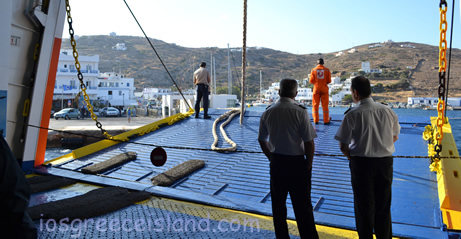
362	85
203	64
320	61
288	87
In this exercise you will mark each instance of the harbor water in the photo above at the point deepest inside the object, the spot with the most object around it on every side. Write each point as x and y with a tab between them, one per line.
454	117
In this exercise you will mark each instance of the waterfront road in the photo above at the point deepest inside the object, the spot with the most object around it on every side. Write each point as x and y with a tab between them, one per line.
108	123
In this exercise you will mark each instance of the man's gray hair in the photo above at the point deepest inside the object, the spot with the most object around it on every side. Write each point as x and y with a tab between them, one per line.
288	87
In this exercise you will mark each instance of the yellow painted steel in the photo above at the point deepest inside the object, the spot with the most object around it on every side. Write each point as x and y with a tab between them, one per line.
250	220
95	147
61	159
449	179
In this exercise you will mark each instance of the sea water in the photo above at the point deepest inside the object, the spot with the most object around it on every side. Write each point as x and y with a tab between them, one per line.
453	115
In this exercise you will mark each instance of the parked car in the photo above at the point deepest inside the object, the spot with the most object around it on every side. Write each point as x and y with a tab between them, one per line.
111	111
67	113
102	111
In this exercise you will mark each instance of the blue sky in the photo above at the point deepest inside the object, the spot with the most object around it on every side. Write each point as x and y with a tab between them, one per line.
299	27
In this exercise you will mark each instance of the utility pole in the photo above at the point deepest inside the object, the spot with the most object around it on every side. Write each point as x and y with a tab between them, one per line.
229	73
62	97
214	77
261	86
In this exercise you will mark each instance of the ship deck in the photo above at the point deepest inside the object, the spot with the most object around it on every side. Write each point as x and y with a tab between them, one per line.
235	185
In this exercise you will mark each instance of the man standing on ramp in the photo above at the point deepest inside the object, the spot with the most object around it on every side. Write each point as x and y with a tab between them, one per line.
320	77
286	137
202	80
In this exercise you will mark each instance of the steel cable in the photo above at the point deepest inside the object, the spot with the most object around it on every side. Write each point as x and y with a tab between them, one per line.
156	53
203	149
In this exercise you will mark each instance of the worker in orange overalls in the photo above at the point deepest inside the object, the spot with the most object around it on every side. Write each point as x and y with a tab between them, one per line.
320	77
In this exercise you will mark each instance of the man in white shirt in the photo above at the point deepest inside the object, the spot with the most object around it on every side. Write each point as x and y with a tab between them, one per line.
366	137
286	137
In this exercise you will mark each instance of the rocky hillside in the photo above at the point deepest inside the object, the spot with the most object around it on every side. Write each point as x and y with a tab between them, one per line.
418	66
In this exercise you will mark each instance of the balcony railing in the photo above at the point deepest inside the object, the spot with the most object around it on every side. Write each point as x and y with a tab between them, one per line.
64	70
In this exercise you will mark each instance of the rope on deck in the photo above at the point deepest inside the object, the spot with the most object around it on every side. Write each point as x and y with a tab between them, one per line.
229	115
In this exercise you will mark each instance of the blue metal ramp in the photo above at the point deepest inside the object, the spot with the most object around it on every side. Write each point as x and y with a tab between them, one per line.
240	180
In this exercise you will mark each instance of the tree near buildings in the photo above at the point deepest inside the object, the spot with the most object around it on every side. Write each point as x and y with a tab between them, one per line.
347	99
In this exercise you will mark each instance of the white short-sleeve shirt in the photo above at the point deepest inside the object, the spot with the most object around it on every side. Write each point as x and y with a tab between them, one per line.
369	129
286	125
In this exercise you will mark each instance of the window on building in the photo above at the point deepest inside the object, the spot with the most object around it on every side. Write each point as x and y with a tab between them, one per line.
72	84
230	103
71	67
109	92
127	84
88	68
116	84
65	66
119	92
111	84
88	84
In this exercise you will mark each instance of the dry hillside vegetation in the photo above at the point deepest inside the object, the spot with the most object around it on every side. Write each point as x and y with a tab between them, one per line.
418	66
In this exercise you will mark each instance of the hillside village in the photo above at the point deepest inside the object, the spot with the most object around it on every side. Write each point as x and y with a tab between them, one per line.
400	70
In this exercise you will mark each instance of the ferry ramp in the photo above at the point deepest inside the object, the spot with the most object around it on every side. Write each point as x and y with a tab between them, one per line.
235	185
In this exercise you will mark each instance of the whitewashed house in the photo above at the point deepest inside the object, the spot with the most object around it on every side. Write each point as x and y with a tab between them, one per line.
304	94
154	93
67	84
344	87
456	102
114	88
272	94
119	47
366	68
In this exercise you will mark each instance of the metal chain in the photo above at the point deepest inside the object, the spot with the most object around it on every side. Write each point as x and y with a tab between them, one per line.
80	75
442	66
438	131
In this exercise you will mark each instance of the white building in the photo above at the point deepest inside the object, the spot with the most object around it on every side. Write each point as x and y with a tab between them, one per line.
352	50
112	87
67	83
407	46
375	45
119	47
304	94
115	88
366	68
154	93
272	94
339	53
343	87
432	101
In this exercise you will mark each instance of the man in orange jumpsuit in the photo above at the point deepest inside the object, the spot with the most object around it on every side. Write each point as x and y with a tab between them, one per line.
320	77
